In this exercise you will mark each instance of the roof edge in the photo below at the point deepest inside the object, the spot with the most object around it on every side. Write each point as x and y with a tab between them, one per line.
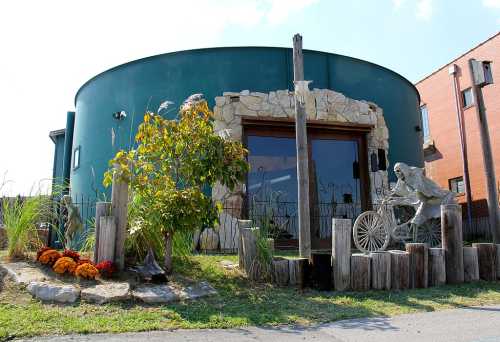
412	85
54	134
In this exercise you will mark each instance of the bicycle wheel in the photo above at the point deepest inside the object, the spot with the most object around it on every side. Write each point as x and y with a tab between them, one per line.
430	232
369	232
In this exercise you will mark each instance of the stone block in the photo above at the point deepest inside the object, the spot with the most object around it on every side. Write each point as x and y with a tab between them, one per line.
251	102
51	292
23	273
106	293
156	294
220	101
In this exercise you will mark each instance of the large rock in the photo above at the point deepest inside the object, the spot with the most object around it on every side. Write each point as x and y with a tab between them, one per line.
107	292
156	294
202	289
23	273
52	292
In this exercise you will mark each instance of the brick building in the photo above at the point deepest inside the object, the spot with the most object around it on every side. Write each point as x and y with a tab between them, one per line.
442	147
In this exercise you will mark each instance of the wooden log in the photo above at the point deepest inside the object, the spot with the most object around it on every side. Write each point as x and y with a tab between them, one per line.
101	209
241	225
360	272
400	270
107	238
249	247
487	256
419	264
298	272
119	209
471	264
451	232
381	270
341	253
280	271
322	271
498	261
437	267
270	245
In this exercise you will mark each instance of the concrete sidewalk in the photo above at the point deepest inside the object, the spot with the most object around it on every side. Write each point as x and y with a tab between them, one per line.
477	324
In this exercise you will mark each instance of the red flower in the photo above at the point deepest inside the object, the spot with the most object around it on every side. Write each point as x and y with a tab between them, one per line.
71	254
84	261
40	252
106	267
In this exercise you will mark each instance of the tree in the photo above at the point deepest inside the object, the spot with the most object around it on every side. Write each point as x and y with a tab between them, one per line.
174	162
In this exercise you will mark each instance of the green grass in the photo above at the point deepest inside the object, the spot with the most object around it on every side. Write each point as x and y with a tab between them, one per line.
239	304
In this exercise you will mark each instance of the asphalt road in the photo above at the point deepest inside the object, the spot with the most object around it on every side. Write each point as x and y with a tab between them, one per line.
478	324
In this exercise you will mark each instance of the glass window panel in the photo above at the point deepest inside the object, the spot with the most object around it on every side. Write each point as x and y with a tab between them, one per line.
467	97
425	123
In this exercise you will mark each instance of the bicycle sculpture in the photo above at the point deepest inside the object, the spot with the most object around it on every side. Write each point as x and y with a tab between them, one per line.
413	192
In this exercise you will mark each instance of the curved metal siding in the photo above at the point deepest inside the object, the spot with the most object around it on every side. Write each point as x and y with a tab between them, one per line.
144	84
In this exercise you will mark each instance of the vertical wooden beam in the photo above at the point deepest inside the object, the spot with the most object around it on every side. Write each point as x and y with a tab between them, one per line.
242	224
360	272
119	205
487	256
419	264
101	209
281	273
341	253
298	269
498	261
302	155
451	232
107	238
437	268
381	270
400	270
251	265
471	264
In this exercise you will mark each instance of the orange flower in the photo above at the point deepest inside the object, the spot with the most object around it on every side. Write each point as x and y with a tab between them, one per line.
84	261
72	254
43	249
87	271
49	257
64	264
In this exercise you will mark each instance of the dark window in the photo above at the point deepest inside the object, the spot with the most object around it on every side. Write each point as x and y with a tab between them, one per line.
457	185
425	122
76	158
467	97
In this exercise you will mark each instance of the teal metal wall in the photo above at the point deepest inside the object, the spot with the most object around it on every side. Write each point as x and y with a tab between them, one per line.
57	170
143	84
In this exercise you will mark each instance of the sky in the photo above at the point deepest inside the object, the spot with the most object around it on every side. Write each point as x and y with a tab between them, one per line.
50	48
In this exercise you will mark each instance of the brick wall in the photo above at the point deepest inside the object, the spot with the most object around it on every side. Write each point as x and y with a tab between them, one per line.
437	94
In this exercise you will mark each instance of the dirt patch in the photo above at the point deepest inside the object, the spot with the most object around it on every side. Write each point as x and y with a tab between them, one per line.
10	292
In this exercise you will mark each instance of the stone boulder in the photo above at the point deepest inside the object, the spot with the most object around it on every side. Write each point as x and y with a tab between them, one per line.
156	294
106	292
51	292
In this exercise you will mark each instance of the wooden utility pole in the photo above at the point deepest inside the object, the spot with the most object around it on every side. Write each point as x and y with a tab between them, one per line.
489	168
302	153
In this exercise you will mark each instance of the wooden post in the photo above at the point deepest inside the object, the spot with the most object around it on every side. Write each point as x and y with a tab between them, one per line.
487	256
498	261
341	253
437	268
298	270
241	225
119	204
381	270
451	232
281	273
419	264
400	270
489	165
107	238
471	264
249	247
302	154
360	272
101	209
322	271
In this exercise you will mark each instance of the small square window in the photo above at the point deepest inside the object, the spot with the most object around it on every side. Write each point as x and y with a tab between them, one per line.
467	97
457	185
76	158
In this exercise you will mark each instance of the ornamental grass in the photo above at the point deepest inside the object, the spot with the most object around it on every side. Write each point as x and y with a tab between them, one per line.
64	265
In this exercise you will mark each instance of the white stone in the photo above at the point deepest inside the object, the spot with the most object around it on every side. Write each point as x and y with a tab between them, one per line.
52	292
209	240
263	96
230	93
227	113
220	100
156	294
219	125
202	289
106	293
251	102
23	273
322	115
245	92
363	107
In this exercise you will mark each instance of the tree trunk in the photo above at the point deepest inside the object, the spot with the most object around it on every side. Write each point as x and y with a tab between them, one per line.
400	270
437	268
168	253
451	232
419	264
360	272
381	270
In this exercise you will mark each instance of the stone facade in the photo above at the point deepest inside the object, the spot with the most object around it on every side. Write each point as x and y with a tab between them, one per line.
322	105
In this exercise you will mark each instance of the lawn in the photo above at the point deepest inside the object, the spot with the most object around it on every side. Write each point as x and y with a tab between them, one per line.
239	303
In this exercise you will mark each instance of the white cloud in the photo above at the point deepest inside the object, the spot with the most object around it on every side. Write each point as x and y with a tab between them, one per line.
424	9
397	3
492	3
50	48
